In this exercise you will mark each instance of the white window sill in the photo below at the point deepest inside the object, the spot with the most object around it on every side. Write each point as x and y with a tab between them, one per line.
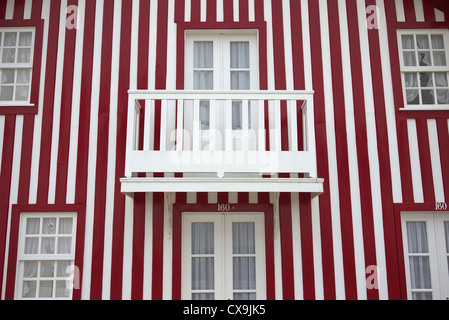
426	108
15	104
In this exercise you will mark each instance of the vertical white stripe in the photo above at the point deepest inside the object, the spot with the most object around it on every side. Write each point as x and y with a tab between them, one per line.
251	11
419	10
128	248
435	160
203	15
92	155
306	44
439	16
35	156
389	104
27	9
74	126
15	174
9	9
316	241
372	152
415	162
296	246
187	12
288	44
331	146
152	44
148	247
2	138
236	11
167	256
354	184
112	147
57	105
220	12
400	14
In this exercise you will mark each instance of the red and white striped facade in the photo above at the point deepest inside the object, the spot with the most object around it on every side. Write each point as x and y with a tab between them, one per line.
69	155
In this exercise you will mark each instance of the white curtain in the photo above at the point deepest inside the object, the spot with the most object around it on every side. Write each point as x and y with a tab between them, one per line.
244	267
203	60
419	265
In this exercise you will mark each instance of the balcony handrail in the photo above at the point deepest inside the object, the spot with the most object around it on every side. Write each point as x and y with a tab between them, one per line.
138	160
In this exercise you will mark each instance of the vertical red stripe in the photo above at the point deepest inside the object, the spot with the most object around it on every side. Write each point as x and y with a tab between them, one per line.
19	7
305	216
384	164
48	107
211	14
228	10
429	11
102	153
269	249
342	153
425	161
138	246
177	245
321	151
409	10
122	108
5	183
443	143
243	11
361	141
285	224
66	112
158	245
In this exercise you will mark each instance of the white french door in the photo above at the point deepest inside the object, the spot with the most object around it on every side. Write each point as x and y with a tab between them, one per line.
223	256
221	61
426	250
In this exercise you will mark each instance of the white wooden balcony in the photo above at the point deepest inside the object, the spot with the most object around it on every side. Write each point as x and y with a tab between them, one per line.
220	141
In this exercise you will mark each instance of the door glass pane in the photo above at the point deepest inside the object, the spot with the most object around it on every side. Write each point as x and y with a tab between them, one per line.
446	233
203	238
243	238
244	273
417	237
203	54
202	273
420	272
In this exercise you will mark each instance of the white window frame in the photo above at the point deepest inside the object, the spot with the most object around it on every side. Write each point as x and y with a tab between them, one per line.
17	66
423	69
437	252
22	257
223	256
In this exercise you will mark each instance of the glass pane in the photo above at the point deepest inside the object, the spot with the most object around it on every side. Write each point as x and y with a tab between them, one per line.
62	270
6	93
23	76
437	41
65	226
32	226
45	289
10	39
412	96
443	96
417	237
64	245
202	238
407	41
236	115
441	79
49	226
22	93
29	289
203	274
24	55
240	55
8	76
31	245
240	80
422	295
420	272
25	39
245	296
411	80
203	80
9	56
30	269
424	58
428	97
446	233
426	80
61	290
422	41
204	115
409	59
439	58
244	273
47	269
243	238
48	246
203	54
203	296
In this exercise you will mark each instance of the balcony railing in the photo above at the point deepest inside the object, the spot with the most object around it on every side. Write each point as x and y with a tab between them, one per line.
220	134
